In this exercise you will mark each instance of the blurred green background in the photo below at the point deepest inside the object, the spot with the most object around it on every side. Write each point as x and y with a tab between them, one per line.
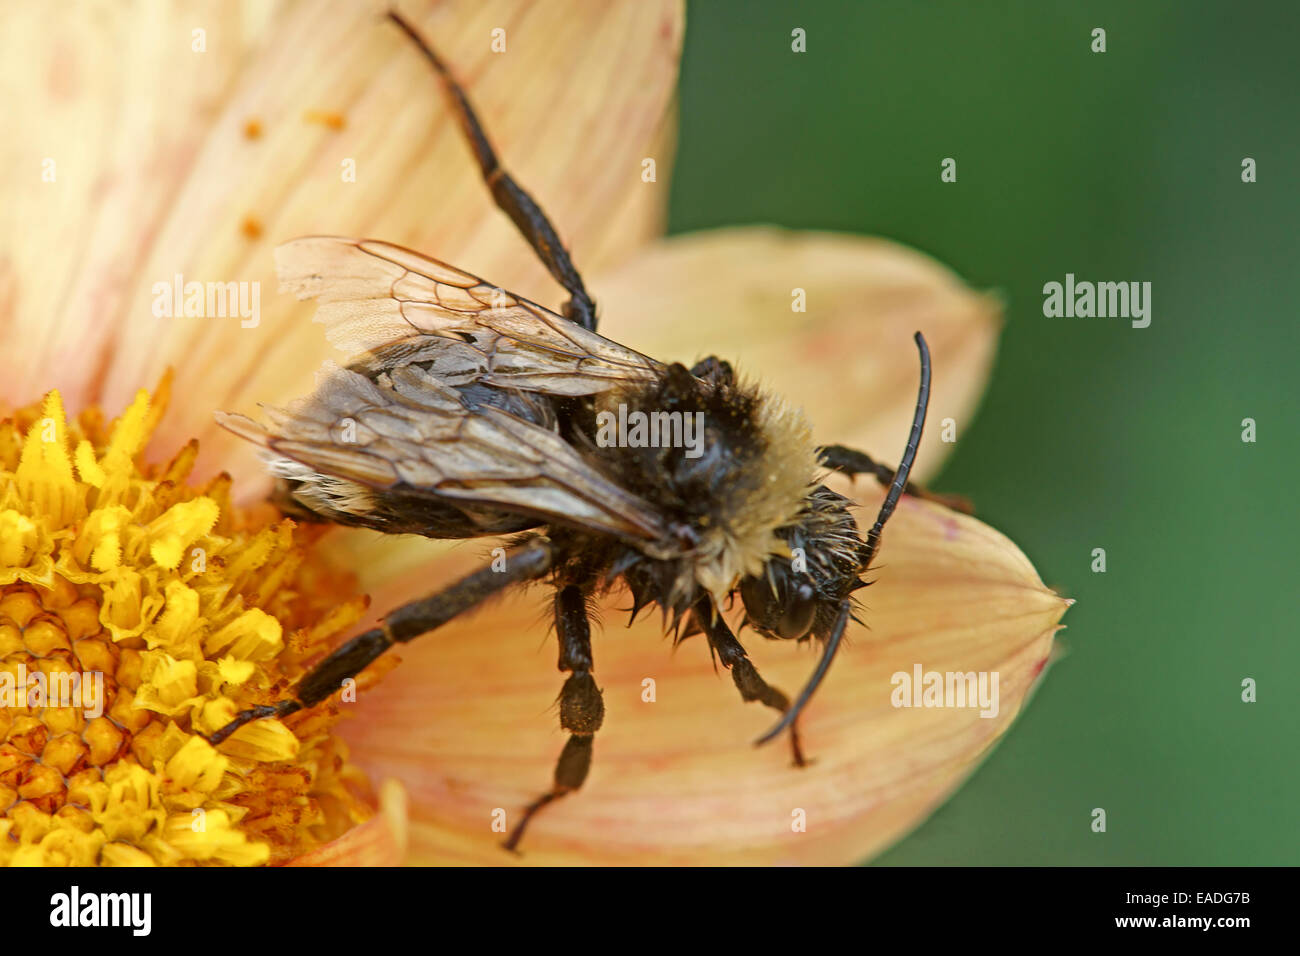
1117	166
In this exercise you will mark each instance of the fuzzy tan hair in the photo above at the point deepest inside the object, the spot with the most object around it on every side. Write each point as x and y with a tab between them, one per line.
746	536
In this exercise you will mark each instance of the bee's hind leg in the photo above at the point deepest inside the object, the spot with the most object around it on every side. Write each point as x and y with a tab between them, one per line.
751	686
582	709
510	197
851	462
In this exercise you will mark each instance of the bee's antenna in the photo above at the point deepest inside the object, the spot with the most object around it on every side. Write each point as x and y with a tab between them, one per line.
909	455
414	34
824	665
873	542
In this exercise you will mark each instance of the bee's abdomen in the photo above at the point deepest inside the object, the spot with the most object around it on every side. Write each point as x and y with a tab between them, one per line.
307	495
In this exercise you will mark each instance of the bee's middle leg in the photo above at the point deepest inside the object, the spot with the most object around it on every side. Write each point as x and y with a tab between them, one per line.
751	686
582	709
406	623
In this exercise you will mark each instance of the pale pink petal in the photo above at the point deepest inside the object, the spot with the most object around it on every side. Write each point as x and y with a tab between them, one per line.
380	841
849	360
468	720
159	177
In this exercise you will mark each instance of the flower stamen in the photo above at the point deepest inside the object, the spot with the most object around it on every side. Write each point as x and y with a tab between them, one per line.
138	614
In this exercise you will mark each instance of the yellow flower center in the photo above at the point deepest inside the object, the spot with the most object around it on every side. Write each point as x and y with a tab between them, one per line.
137	613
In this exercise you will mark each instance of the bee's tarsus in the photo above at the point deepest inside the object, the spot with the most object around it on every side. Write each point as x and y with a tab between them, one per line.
570	773
281	709
728	649
582	708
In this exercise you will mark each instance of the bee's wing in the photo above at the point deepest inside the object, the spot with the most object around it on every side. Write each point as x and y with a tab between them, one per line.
395	419
389	306
409	432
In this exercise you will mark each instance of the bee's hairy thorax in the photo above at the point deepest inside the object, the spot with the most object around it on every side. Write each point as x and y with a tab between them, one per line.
730	463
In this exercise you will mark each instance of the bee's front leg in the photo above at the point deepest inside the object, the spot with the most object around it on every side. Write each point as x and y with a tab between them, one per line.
748	681
851	462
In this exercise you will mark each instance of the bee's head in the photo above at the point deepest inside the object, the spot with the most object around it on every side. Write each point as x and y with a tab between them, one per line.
777	602
799	596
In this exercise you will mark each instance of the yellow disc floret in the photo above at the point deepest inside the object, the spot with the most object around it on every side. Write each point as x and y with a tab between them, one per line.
137	614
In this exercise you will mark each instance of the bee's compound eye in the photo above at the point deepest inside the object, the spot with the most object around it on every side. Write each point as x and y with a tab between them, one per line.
762	604
786	612
798	614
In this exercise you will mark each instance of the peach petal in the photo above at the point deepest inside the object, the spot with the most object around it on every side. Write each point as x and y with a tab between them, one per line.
106	105
380	841
158	175
849	360
468	721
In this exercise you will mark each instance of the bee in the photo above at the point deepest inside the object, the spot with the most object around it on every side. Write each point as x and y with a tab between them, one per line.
467	411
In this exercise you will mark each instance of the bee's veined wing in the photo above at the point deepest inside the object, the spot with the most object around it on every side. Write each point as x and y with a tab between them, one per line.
407	431
418	329
390	306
